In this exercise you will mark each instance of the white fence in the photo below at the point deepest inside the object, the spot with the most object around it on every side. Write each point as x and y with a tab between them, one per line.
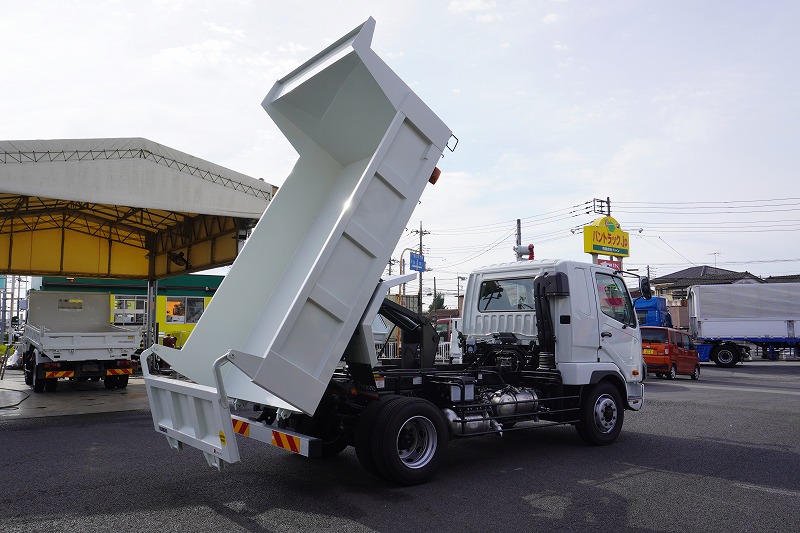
389	351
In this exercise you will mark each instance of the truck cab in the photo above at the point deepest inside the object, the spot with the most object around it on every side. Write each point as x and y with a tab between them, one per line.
592	321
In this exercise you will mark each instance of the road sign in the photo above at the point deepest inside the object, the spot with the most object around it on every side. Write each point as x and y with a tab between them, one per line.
417	262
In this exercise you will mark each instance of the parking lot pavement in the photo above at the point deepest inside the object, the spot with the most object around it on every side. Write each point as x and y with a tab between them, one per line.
17	400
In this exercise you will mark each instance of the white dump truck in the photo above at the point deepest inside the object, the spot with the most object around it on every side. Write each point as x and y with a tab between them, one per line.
68	335
290	328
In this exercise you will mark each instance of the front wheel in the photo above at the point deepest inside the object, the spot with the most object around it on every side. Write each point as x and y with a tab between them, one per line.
696	373
409	442
602	414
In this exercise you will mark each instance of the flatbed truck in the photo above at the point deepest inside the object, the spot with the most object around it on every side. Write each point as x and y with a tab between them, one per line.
68	335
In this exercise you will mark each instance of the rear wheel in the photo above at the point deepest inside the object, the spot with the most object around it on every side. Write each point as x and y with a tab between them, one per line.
365	427
122	382
726	355
29	358
696	373
50	384
672	372
36	381
110	382
602	414
409	442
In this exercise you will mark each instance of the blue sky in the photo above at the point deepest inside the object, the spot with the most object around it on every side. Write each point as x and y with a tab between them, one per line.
684	113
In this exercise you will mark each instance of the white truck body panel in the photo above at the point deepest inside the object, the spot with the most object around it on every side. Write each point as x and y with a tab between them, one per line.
288	307
745	311
70	326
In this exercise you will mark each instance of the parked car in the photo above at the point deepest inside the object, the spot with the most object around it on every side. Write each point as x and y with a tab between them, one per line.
669	352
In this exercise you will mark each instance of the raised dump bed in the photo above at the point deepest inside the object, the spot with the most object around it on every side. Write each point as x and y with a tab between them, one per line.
303	282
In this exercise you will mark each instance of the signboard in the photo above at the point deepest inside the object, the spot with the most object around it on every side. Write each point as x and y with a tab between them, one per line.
604	236
417	262
610	263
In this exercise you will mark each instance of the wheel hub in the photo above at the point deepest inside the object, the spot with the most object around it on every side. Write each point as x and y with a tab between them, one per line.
605	413
416	442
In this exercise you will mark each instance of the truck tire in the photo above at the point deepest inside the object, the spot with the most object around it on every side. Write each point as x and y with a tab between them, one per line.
28	366
409	441
36	382
362	440
50	384
602	414
726	355
122	382
110	382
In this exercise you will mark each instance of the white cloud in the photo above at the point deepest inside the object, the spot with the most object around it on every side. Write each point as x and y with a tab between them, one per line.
561	47
470	6
292	48
238	35
551	18
564	156
488	18
210	52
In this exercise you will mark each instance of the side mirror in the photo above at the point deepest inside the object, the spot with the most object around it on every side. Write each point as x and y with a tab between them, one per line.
644	288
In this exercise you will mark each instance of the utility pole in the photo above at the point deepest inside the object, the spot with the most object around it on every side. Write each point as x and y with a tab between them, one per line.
392	262
419	295
434	302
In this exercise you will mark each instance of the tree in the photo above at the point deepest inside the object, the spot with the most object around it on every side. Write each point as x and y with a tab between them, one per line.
438	303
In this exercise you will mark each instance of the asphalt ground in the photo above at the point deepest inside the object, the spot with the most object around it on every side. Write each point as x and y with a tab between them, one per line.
718	454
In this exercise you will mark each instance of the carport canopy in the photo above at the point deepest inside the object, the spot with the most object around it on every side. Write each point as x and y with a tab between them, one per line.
120	208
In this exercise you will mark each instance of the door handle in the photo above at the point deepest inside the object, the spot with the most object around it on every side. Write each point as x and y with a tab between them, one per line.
605	334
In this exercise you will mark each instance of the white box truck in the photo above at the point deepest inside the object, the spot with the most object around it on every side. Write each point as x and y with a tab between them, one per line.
290	328
68	335
726	319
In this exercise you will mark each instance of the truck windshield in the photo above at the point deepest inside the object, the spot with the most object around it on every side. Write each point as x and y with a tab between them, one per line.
654	335
506	295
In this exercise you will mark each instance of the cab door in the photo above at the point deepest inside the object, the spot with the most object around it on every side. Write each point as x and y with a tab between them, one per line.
618	339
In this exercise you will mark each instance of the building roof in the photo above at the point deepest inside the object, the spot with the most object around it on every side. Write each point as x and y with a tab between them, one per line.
703	275
791	278
120	208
